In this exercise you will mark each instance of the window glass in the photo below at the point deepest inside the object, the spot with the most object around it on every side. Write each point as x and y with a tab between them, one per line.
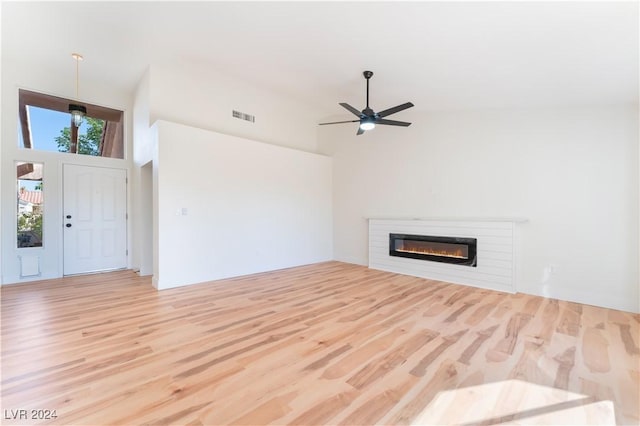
45	124
30	204
51	131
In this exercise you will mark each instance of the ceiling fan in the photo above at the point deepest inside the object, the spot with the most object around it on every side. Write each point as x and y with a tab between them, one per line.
368	118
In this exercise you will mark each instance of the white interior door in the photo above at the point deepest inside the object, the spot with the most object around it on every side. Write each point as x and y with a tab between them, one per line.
95	219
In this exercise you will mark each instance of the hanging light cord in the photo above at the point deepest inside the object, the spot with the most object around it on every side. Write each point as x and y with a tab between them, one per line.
77	78
78	57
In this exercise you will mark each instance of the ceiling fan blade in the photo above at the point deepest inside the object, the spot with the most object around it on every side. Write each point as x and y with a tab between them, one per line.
359	132
339	122
351	109
395	109
392	122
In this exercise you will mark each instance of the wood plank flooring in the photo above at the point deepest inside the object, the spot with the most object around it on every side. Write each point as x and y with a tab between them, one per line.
330	343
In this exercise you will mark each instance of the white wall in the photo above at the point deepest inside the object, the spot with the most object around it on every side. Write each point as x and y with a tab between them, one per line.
196	95
199	96
572	173
230	206
143	152
18	73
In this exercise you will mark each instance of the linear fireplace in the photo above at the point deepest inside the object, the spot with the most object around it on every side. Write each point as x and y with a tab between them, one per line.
461	251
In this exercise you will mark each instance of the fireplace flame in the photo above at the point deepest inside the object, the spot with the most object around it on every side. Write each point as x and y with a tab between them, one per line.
459	254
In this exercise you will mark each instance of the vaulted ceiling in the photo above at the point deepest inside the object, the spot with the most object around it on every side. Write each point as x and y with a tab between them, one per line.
439	55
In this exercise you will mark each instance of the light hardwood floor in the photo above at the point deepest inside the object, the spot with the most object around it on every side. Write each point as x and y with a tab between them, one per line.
331	343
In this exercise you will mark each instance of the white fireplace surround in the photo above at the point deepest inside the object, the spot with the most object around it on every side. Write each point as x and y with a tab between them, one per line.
496	253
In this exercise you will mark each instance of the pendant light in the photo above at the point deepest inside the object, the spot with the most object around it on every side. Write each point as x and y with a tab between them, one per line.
77	111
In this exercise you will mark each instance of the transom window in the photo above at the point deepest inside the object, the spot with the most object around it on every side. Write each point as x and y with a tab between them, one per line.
46	125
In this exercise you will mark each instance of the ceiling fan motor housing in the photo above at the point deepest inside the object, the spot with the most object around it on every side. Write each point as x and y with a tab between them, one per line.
368	118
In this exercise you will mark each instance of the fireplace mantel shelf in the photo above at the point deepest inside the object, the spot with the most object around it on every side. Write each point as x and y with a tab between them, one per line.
453	219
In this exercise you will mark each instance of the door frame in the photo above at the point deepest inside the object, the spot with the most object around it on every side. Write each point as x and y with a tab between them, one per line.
145	220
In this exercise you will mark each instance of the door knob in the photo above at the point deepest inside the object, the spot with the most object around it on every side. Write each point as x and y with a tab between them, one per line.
68	225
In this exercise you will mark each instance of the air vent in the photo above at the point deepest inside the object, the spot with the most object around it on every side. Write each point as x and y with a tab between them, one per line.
243	116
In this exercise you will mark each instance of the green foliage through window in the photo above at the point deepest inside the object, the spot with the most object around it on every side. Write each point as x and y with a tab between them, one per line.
88	143
29	229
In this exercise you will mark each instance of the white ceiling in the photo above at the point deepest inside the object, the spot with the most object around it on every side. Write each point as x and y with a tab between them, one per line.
439	55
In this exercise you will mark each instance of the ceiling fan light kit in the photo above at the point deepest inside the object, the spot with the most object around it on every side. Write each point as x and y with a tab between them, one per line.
368	118
367	125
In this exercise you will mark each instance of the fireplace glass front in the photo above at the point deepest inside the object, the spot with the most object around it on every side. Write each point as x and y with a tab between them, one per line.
461	251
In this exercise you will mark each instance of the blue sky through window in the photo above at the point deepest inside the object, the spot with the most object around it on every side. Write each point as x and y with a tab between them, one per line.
46	125
29	185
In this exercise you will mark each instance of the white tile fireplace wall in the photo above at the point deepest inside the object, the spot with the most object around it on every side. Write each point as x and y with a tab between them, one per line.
496	250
